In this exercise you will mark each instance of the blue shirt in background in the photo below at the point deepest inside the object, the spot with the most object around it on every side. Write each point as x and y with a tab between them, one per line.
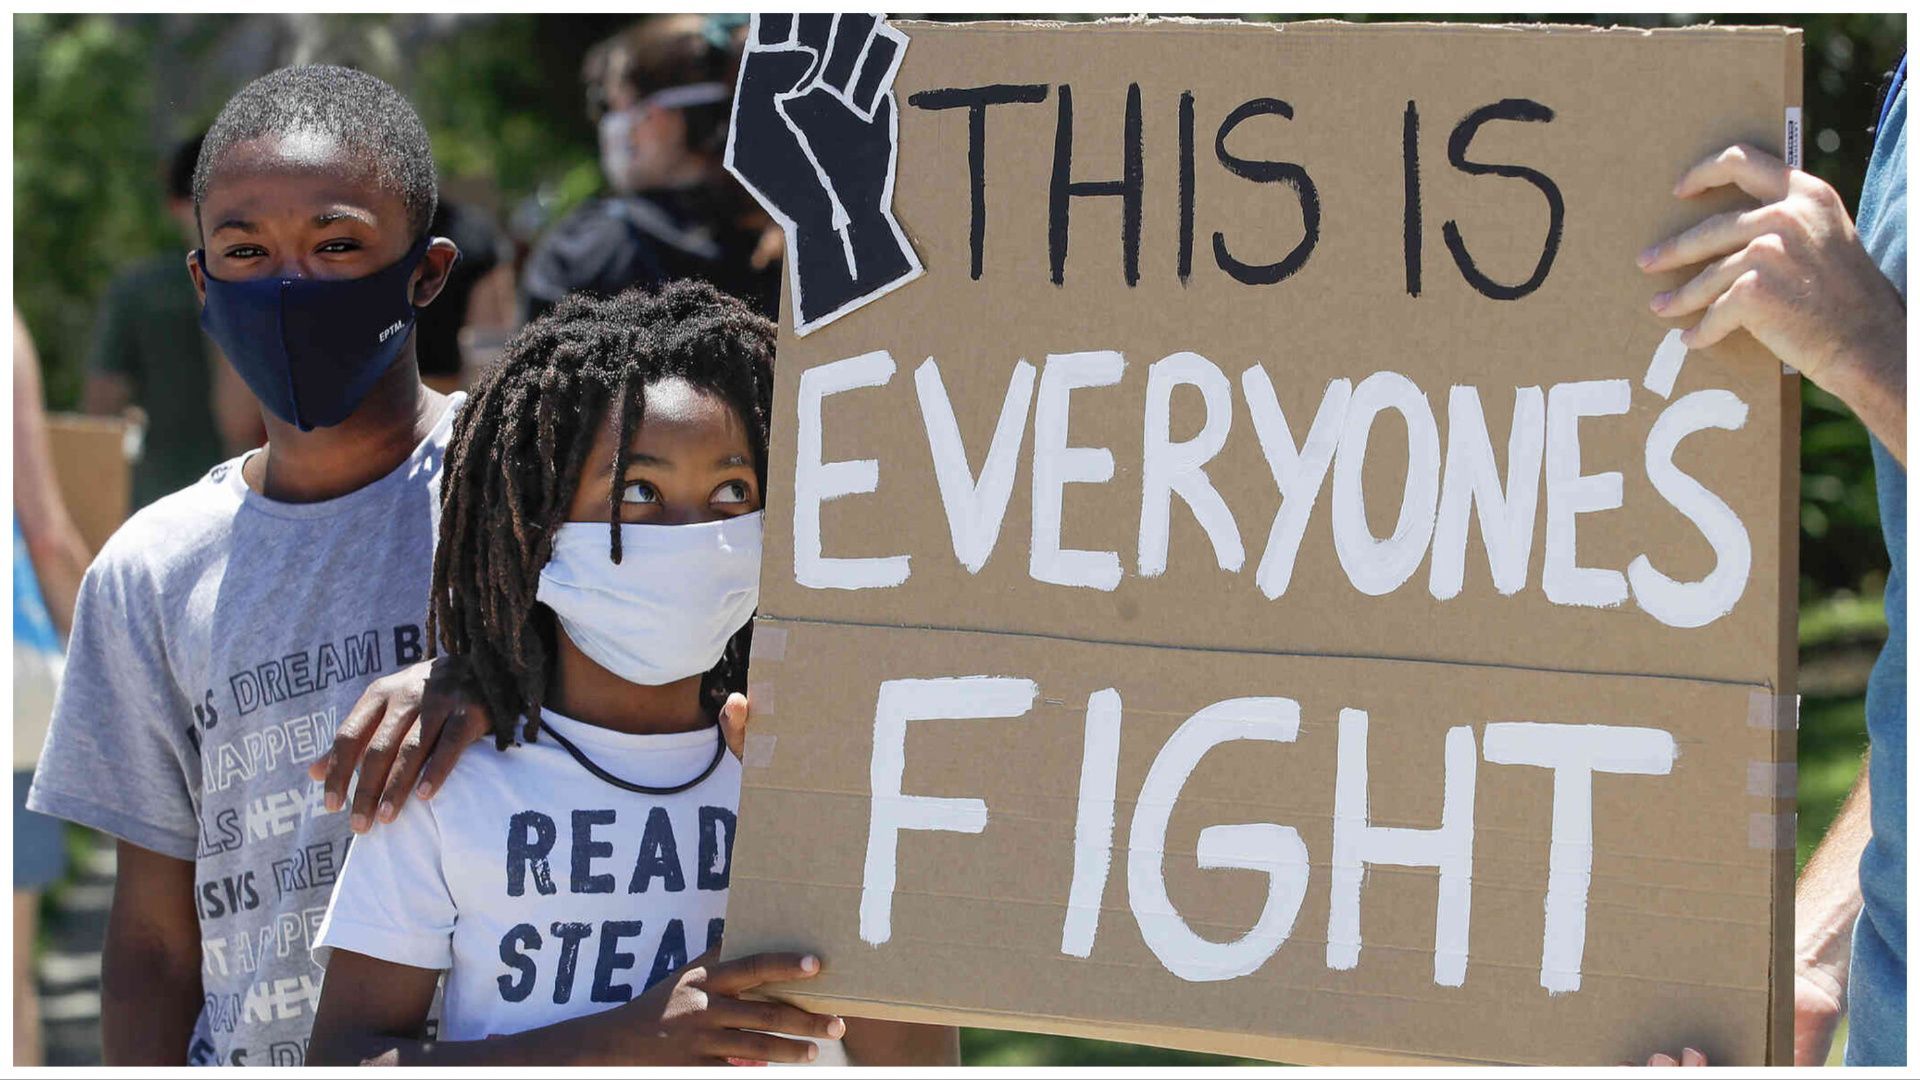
1877	983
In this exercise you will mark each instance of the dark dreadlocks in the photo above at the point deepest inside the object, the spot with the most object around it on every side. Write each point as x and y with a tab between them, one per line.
515	460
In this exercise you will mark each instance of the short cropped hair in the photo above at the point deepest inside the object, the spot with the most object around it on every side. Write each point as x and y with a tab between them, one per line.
368	117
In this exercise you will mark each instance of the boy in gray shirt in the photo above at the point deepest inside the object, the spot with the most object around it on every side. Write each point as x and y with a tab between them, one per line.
226	630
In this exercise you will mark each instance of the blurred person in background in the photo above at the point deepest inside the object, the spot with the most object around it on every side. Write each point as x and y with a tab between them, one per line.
660	93
148	352
478	299
49	558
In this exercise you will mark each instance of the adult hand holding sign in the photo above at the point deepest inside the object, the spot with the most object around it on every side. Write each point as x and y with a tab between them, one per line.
814	137
1792	273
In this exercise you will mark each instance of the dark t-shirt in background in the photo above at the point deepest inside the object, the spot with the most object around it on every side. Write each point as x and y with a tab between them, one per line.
149	333
649	239
437	341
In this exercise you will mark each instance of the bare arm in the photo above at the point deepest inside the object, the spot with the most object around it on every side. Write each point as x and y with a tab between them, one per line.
59	554
891	1042
1873	383
106	395
1825	903
374	1013
150	991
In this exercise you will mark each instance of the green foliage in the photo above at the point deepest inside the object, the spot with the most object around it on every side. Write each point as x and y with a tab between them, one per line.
1833	735
86	197
981	1047
503	100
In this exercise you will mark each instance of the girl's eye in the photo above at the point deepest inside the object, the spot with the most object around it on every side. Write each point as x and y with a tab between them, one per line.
640	492
733	491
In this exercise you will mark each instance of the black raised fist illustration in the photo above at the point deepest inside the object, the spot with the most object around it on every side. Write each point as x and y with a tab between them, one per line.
814	135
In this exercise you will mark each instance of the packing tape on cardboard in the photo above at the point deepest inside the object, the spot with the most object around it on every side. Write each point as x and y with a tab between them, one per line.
760	698
759	753
1773	712
1773	779
1771	832
770	643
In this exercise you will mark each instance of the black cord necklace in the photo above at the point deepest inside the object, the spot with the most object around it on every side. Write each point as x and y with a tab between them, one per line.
719	752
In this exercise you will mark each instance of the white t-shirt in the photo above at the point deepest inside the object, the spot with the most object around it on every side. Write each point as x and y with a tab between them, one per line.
543	891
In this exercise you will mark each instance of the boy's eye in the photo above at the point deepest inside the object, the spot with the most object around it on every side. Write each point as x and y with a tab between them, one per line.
245	251
640	492
733	491
339	247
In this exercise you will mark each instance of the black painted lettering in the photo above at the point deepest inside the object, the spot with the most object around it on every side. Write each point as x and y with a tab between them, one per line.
1520	109
1410	205
1185	260
1261	171
977	100
1064	188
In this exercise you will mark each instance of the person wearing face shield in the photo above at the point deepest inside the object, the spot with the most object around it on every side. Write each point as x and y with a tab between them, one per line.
660	93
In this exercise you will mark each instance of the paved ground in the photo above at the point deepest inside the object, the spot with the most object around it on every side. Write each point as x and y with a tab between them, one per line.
73	925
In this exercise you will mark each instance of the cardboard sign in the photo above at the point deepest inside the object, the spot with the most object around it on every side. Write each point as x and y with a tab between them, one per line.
1269	585
90	464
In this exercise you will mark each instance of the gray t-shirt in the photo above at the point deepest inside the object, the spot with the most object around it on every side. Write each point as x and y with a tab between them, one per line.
220	638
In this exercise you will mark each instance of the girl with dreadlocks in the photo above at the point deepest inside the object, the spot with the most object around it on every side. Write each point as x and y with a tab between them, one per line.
597	569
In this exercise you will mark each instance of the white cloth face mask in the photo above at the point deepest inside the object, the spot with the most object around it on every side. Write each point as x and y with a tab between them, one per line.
666	611
616	149
616	127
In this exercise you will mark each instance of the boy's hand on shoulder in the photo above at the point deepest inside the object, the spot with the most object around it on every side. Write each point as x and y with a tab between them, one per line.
403	736
696	1017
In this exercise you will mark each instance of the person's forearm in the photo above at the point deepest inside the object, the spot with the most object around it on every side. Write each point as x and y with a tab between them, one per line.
106	395
1827	897
1871	379
53	541
891	1042
59	564
149	1002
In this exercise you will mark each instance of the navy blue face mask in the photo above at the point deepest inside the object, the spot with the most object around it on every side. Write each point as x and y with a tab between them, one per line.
310	348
